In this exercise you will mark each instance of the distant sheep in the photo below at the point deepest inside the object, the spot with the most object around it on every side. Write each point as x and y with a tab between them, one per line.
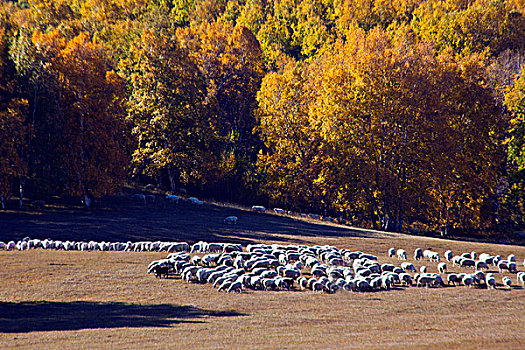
401	254
392	252
521	278
408	267
442	267
448	255
481	265
172	199
258	208
278	211
490	281
195	201
231	220
418	254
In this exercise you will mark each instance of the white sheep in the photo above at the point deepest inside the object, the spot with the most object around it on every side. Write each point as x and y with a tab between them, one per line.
490	281
408	267
258	208
172	199
511	258
503	265
401	254
423	269
391	252
195	201
506	281
468	280
418	254
448	255
231	220
521	278
278	211
442	267
453	278
237	286
467	263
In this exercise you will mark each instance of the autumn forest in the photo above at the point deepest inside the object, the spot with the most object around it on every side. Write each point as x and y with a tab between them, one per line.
394	114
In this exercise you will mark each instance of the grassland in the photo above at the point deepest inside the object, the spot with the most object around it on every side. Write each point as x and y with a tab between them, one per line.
87	300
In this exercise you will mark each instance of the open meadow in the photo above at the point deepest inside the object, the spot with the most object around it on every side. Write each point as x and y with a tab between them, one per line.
102	299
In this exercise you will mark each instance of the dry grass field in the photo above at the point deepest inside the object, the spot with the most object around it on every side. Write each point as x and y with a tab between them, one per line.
99	300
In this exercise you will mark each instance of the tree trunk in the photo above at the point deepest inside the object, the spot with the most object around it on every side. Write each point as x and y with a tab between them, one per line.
173	179
22	185
87	201
2	202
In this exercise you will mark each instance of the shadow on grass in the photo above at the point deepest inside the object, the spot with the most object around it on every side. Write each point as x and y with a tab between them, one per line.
177	223
37	316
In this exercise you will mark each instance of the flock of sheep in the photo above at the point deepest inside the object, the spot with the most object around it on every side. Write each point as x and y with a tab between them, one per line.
144	246
231	268
327	269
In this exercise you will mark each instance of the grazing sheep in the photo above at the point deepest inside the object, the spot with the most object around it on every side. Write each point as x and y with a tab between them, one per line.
363	286
258	208
511	258
405	278
391	252
418	254
456	260
468	263
401	254
387	267
512	267
172	199
425	281
269	284
481	265
453	278
442	267
225	285
485	257
10	245
448	255
302	282
503	265
195	201
408	267
236	287
521	278
468	281
507	281
231	220
278	211
490	281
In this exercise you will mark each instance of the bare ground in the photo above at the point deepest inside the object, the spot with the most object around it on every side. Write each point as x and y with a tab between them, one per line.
87	300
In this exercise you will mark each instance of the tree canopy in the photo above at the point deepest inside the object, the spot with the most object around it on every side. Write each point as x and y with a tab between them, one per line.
398	115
